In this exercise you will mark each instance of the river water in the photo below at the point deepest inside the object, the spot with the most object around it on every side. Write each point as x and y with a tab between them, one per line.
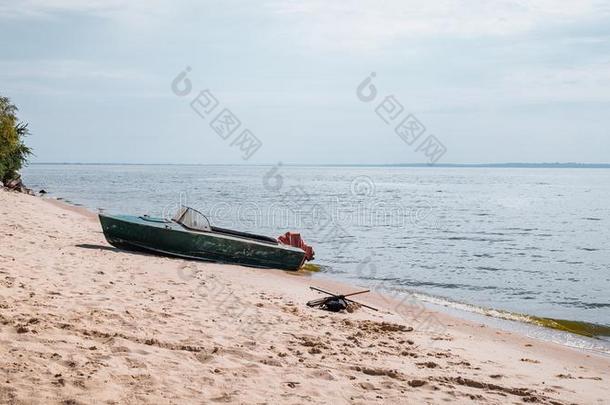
527	241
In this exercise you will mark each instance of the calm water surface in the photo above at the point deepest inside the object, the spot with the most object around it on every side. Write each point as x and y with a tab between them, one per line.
531	241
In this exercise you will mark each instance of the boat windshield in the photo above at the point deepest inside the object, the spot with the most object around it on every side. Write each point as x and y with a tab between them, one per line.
192	219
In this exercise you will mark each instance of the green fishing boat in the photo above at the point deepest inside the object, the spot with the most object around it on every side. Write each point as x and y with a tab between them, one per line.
190	235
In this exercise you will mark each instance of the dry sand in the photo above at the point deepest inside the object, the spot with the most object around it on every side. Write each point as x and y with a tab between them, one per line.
83	322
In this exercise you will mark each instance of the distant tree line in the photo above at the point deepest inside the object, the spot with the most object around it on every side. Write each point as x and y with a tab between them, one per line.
13	151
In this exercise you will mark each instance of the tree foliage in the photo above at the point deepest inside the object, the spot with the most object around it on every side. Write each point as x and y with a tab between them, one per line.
13	151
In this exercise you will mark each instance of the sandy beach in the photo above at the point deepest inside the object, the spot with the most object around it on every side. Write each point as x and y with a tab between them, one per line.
83	322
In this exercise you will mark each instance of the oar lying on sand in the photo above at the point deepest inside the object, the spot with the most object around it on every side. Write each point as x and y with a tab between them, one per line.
336	302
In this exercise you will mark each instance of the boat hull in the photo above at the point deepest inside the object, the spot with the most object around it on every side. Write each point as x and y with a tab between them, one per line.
168	238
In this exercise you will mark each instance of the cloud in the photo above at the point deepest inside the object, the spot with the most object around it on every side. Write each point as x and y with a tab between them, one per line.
370	23
130	12
45	8
350	24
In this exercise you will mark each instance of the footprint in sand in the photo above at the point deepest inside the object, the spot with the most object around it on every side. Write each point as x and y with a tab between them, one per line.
322	374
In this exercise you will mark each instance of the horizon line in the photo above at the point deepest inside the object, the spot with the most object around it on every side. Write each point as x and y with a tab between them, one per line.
527	165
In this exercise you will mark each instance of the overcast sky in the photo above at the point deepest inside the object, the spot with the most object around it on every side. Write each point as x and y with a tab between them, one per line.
500	81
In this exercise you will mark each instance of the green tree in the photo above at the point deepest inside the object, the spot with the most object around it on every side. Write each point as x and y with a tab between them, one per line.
13	151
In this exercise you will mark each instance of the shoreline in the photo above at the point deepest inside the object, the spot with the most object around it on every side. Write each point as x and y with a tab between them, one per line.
349	358
520	323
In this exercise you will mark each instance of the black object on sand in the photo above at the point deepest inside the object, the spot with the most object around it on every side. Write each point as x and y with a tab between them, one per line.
336	302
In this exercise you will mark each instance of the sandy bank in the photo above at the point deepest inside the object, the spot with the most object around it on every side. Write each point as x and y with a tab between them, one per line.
82	322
